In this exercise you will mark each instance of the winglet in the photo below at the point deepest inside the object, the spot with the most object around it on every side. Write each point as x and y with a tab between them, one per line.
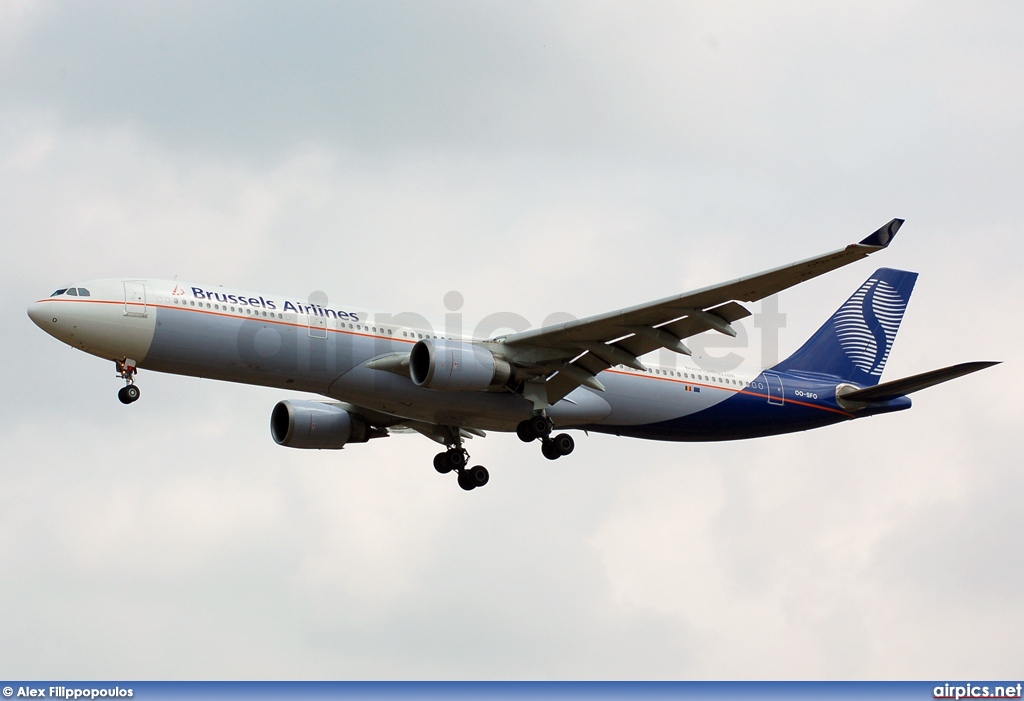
882	237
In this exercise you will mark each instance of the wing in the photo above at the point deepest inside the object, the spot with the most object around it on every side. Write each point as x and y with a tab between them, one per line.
573	353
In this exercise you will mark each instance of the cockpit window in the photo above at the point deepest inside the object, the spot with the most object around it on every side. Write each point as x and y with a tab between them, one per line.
82	292
72	291
59	292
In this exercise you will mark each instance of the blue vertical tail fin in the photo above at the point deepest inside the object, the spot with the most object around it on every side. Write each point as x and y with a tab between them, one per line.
854	343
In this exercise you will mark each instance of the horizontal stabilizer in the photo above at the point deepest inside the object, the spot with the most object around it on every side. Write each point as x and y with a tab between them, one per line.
899	388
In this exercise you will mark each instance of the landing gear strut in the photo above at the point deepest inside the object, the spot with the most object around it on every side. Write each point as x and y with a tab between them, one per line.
126	371
456	459
539	426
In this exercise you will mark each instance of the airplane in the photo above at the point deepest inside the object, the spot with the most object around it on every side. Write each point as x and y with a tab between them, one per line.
379	376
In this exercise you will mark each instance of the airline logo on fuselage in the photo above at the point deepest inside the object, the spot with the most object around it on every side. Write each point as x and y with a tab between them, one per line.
269	304
867	324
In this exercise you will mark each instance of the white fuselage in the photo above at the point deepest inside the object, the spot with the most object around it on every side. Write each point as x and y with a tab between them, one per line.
278	341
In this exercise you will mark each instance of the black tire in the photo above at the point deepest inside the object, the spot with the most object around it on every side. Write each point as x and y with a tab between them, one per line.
548	450
466	482
132	392
539	425
478	476
563	443
441	463
523	431
456	458
122	396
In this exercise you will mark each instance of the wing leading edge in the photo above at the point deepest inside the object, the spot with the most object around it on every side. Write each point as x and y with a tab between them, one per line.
576	351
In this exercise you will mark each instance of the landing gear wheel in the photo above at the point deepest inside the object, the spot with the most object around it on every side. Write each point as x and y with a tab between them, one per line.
131	392
477	476
548	450
523	431
122	395
466	482
441	463
456	458
538	426
563	443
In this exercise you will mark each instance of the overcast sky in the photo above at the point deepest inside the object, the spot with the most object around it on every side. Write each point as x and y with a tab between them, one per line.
538	158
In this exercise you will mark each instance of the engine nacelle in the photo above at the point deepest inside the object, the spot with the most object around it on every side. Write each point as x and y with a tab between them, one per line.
439	363
318	425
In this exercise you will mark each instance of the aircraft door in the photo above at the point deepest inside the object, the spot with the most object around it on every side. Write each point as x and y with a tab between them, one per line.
317	326
135	298
775	388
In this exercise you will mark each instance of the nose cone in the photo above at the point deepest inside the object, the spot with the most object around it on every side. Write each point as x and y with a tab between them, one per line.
37	313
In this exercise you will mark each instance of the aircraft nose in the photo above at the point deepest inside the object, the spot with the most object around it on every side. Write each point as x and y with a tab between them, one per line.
37	314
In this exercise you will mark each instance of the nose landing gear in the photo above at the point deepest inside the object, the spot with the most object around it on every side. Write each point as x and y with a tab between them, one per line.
126	370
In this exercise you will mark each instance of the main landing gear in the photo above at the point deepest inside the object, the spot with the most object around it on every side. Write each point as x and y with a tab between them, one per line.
126	370
456	459
539	426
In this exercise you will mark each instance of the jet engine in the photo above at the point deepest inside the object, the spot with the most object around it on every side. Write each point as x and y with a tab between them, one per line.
456	365
319	425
